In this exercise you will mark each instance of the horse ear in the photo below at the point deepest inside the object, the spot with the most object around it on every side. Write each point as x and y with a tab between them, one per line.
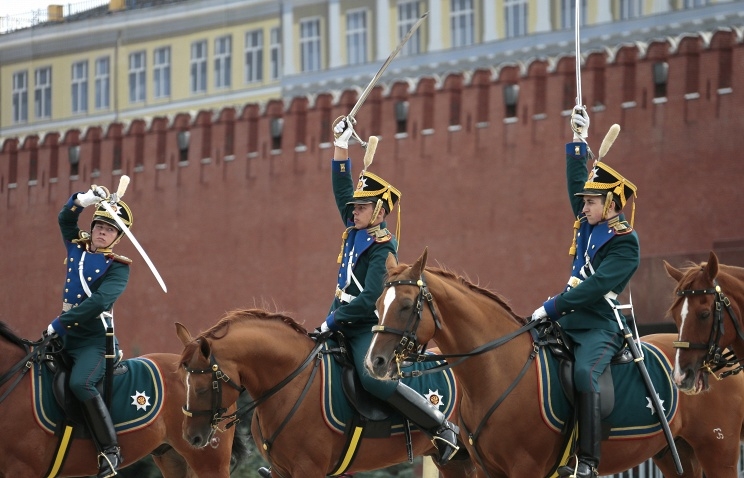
391	261
205	348
183	334
418	268
712	266
674	273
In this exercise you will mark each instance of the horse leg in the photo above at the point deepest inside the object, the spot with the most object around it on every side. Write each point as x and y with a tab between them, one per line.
455	468
171	464
690	464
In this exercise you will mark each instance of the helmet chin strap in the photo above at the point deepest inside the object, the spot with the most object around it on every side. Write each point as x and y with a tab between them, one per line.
606	209
372	219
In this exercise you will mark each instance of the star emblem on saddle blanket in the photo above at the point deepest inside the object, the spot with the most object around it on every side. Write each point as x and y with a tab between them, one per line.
435	400
650	404
140	400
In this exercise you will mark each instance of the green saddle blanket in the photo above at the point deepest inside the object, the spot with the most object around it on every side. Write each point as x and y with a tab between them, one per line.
634	415
136	401
439	388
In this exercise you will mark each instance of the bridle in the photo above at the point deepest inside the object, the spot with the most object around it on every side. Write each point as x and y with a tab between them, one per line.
715	358
218	378
217	412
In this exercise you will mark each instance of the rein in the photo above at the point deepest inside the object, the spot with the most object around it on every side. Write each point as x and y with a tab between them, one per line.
218	377
22	367
715	358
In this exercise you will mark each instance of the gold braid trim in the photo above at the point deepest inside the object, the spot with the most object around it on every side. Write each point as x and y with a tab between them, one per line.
606	209
572	249
344	236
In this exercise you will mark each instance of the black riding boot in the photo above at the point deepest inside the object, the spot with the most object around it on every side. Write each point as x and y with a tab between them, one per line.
590	438
102	429
417	409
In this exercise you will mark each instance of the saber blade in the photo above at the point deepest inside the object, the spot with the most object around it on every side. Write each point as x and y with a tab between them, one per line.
136	243
384	66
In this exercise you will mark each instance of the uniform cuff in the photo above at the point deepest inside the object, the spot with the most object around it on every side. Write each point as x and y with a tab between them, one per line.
551	308
576	150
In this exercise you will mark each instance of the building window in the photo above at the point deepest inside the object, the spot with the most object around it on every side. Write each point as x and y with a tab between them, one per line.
515	15
695	3
103	83
20	97
43	92
199	66
408	14
275	52
254	56
137	77
161	72
310	44
630	9
356	37
80	87
461	22
222	61
568	13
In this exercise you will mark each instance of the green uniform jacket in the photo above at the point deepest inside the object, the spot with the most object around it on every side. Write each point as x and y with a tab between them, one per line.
613	249
358	316
82	322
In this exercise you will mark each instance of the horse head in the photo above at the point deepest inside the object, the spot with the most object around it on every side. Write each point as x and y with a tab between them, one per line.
408	317
203	378
700	311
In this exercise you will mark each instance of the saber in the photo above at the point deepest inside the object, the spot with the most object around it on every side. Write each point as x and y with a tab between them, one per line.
638	359
107	206
577	40
351	116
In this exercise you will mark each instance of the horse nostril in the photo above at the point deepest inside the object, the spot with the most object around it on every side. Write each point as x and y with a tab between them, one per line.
378	363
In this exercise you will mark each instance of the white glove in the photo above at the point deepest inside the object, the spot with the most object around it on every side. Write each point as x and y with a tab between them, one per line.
580	123
324	328
92	196
540	314
342	131
50	330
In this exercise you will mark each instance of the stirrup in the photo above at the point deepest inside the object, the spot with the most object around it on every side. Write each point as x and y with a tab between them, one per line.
264	472
568	471
447	447
107	469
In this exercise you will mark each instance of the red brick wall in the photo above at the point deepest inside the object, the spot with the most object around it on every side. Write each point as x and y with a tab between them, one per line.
241	225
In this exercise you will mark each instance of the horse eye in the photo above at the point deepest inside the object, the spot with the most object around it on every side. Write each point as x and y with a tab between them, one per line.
704	314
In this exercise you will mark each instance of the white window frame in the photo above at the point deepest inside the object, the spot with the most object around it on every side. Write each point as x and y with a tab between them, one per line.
161	72
43	92
20	97
356	36
275	53
102	83
253	69
515	18
462	23
408	14
198	67
223	62
137	75
630	9
79	93
568	13
310	45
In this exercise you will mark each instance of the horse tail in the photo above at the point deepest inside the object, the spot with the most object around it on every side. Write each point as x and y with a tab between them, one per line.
239	450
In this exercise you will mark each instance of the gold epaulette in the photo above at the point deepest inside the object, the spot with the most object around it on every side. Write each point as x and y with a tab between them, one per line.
83	236
380	235
118	258
621	227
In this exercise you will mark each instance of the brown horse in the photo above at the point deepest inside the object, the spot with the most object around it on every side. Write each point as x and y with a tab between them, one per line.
271	356
708	308
27	450
500	411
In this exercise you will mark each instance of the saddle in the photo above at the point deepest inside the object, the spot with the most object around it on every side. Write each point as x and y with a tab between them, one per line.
552	336
60	364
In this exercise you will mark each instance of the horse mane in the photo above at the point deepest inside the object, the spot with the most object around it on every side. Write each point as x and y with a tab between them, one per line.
462	281
10	336
220	329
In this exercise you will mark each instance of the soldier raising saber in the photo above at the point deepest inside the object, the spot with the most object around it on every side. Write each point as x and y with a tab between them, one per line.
95	278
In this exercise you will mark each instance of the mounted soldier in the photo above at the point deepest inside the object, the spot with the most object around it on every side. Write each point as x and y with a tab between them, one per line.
95	279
